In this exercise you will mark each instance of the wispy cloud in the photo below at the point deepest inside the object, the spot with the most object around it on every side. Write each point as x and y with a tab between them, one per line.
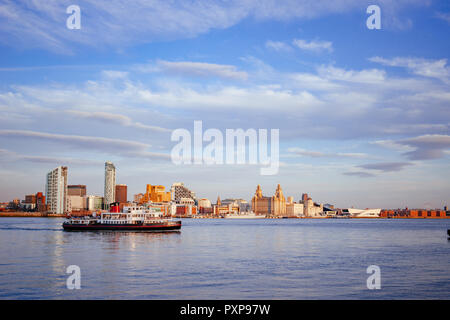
443	16
11	156
111	118
278	46
360	174
202	69
427	68
386	166
314	45
124	148
427	146
119	23
319	154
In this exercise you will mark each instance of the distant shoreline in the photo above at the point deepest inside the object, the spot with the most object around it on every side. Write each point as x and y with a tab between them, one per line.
18	214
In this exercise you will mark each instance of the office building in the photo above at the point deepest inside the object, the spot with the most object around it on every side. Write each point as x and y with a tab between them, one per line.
76	190
154	194
121	193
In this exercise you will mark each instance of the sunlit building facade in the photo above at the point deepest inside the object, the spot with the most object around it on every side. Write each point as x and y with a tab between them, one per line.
110	184
56	191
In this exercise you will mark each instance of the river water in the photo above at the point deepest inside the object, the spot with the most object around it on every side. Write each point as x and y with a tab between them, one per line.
229	259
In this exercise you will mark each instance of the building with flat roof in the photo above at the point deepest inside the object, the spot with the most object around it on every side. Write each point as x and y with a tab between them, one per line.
56	190
76	190
94	203
154	194
121	193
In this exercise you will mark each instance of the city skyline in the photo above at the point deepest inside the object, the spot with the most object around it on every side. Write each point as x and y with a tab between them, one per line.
363	115
81	190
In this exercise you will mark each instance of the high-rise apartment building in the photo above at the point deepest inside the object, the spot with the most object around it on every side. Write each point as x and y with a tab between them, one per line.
110	184
56	190
121	193
178	191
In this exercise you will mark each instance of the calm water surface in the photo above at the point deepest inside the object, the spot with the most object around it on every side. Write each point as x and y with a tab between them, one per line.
228	259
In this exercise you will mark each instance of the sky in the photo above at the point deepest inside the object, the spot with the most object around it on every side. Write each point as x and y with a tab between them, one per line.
363	114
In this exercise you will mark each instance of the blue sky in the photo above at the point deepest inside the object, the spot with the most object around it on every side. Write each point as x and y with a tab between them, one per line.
363	114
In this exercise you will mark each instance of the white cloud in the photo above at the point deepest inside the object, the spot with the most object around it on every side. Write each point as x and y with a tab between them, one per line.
314	45
95	143
386	166
443	16
424	147
320	154
363	76
278	45
119	23
111	118
11	156
430	146
202	69
427	68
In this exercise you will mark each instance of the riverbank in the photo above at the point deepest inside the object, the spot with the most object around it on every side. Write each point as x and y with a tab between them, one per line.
19	214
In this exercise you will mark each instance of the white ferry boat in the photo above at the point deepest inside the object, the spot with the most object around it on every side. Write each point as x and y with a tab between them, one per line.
132	218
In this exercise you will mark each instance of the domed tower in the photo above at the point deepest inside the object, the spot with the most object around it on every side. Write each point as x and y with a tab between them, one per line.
278	202
260	204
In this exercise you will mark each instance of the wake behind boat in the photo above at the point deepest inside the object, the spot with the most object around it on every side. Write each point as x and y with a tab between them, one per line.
133	218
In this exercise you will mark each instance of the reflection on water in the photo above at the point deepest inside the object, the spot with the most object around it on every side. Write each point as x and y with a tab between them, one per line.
228	259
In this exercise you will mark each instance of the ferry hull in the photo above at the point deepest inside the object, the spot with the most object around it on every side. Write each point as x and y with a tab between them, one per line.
124	227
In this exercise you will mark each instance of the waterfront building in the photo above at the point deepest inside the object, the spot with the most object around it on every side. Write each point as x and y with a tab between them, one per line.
137	197
110	184
94	203
225	209
278	203
187	201
294	209
205	206
275	205
40	202
178	191
155	194
30	198
76	203
76	190
243	205
414	213
312	209
204	203
56	190
121	193
185	210
362	213
261	204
